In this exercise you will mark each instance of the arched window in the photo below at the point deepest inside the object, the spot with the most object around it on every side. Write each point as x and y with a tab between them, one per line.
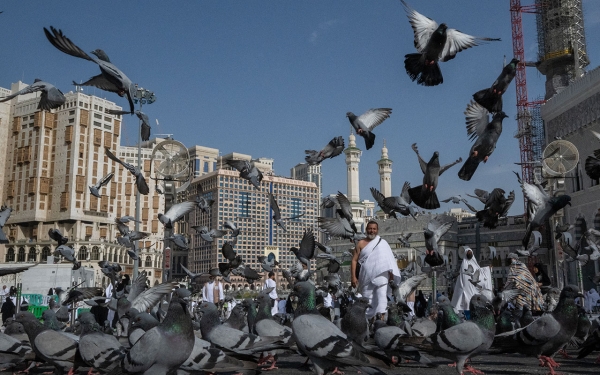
31	254
139	262
148	261
21	255
45	253
10	255
83	253
95	253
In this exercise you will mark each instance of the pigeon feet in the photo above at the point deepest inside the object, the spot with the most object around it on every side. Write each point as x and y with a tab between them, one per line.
91	372
475	153
564	353
272	367
336	371
550	363
473	370
485	159
452	364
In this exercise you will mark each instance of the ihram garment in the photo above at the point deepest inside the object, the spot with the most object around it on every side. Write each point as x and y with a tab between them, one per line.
376	261
520	278
463	289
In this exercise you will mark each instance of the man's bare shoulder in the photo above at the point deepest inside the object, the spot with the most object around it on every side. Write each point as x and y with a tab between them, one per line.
361	244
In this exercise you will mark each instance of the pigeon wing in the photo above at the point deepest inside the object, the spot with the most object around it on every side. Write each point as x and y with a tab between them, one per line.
27	90
112	157
104	180
64	44
274	207
152	296
241	166
423	27
374	117
227	251
477	119
345	206
307	245
509	201
457	41
408	286
56	346
439	226
179	210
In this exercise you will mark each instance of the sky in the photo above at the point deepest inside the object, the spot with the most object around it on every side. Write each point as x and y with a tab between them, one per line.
274	78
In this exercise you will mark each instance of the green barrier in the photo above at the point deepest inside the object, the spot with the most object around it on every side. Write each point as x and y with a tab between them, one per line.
34	299
81	311
37	310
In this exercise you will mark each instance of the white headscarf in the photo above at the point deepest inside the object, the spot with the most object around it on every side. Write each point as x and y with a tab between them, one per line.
591	299
464	290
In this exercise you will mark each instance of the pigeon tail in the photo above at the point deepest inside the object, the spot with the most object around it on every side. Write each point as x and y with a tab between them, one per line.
489	101
592	167
489	221
468	169
369	140
424	199
425	74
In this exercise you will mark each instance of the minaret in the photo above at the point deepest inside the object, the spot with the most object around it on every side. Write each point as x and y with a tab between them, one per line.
385	172
352	159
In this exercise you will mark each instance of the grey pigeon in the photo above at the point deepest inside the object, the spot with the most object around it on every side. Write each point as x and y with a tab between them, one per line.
446	316
140	181
379	198
496	206
436	228
404	239
175	332
51	97
592	165
95	189
176	213
12	351
486	134
268	262
111	78
332	149
50	321
491	99
480	194
345	210
329	202
207	359
401	203
434	43
277	213
140	324
365	123
540	206
323	342
204	204
424	195
266	326
306	252
57	236
339	227
237	318
56	348
126	219
4	216
248	171
101	351
145	131
354	322
235	231
180	240
209	235
407	287
456	199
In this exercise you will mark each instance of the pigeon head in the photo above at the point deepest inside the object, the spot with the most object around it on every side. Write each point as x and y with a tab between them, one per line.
25	316
350	115
500	115
514	62
144	321
442	28
561	202
101	55
570	291
307	301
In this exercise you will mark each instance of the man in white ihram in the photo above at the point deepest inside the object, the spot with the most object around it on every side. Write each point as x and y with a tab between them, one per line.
213	291
377	267
464	290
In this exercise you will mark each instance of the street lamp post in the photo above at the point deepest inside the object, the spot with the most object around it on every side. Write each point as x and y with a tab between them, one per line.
142	96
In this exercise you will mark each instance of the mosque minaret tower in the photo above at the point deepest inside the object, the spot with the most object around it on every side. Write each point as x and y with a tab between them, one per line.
385	172
352	159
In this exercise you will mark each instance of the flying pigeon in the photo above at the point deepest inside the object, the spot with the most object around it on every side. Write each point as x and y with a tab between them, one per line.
491	99
436	228
145	131
180	240
339	227
496	206
111	78
424	195
209	235
204	204
592	165
379	198
235	231
401	203
540	206
434	43
328	202
456	199
333	149
176	213
95	189
51	98
268	262
277	213
486	135
365	123
306	252
140	181
248	171
126	219
404	239
5	212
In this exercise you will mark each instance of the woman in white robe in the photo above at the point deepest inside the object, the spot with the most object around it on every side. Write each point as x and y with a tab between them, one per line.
463	289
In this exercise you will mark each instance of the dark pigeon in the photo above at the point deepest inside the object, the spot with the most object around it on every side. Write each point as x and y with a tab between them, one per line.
491	99
4	216
140	181
436	228
248	171
101	351
333	149
365	123
145	129
51	97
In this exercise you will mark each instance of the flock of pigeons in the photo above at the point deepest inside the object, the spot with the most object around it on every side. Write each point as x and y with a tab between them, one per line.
160	317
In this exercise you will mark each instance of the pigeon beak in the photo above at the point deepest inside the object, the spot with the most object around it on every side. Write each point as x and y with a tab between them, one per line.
580	295
569	203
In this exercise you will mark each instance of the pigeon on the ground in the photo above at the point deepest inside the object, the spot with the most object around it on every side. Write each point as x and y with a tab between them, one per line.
51	97
248	171
5	212
50	321
111	78
491	99
140	324
12	351
434	43
436	228
486	135
95	189
331	150
540	206
101	351
266	326
354	323
175	213
446	316
424	195
277	213
365	123
268	262
140	181
145	131
175	332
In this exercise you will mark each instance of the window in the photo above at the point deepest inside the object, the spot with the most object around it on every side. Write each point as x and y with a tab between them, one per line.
205	167
148	262
21	255
95	253
244	204
83	253
45	253
31	255
295	208
10	255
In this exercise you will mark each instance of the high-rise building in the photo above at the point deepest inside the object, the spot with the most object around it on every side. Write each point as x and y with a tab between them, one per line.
238	201
307	172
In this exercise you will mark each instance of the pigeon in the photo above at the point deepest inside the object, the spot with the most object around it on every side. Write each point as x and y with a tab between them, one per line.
175	332
179	239
306	252
248	273
339	227
365	123
268	262
547	334
434	43
12	350
95	189
56	348
403	239
329	202
77	294
50	321
101	351
491	99
379	198
237	318
277	213
235	231
592	165
205	358
140	181
591	343
481	195
209	235
145	130
407	287
51	97
175	213
540	206
401	203
446	316
559	229
126	219
266	326
5	212
57	236
424	195
345	210
436	228
111	78
248	171
486	135
496	206
456	199
204	204
323	342
354	324
333	149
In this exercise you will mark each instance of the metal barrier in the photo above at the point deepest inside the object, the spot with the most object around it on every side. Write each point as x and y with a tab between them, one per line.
37	310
